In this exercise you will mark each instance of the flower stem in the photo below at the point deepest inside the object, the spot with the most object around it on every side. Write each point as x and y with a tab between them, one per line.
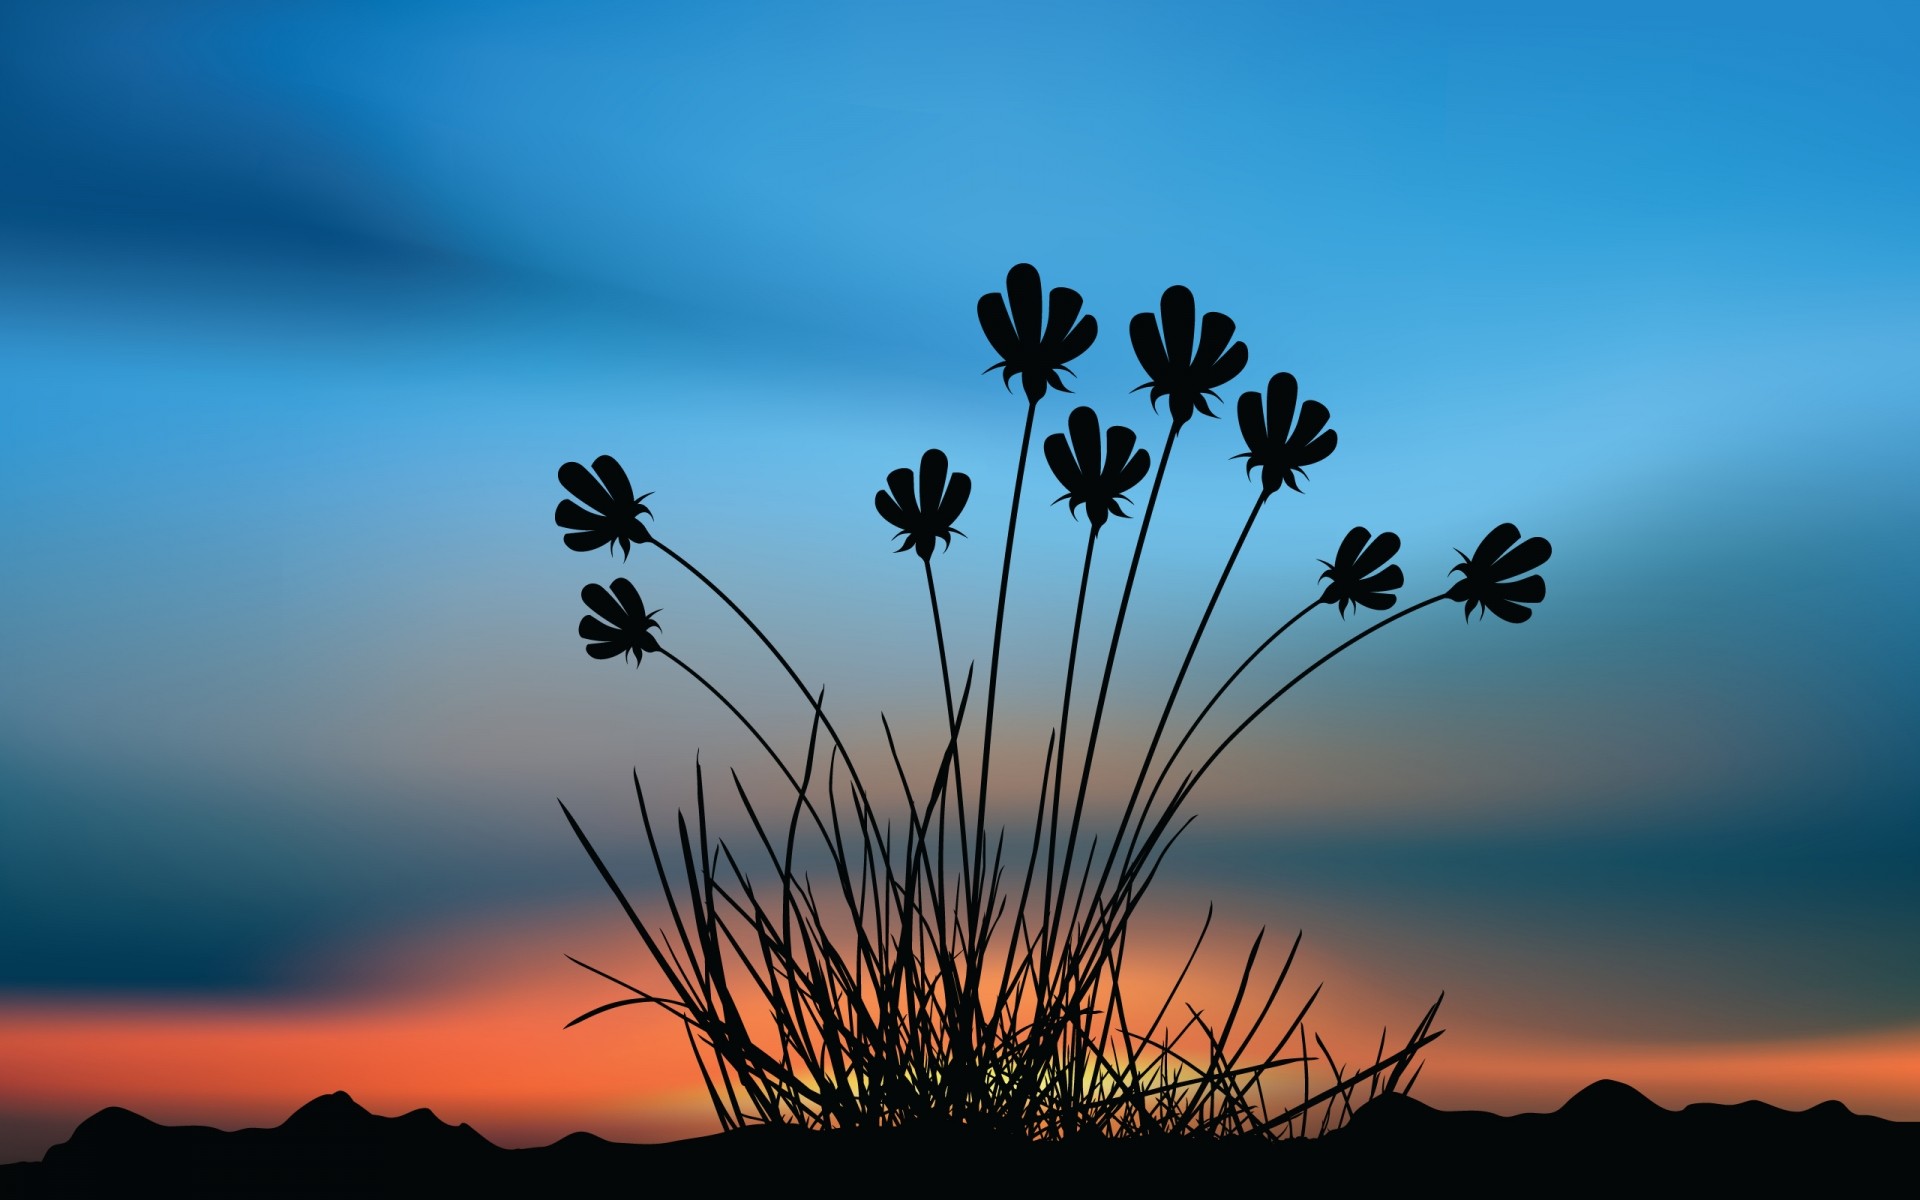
993	666
1219	692
1047	922
778	657
677	661
1180	677
1113	649
1193	781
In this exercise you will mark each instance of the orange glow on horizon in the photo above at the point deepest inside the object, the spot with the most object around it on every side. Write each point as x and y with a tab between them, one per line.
472	1028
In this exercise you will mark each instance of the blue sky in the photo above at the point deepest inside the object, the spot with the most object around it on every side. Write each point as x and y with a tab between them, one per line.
302	305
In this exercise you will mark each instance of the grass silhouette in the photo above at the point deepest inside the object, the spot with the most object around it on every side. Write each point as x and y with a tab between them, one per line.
912	985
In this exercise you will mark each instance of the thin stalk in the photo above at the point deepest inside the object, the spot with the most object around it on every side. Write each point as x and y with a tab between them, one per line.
1113	649
940	641
702	680
1195	726
1179	678
999	623
1060	761
775	651
1193	781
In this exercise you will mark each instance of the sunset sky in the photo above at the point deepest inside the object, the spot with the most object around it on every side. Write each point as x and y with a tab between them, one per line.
302	305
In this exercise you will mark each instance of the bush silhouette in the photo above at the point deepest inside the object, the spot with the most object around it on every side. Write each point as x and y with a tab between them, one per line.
914	985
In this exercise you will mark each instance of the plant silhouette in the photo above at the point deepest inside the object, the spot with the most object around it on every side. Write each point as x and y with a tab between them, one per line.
911	984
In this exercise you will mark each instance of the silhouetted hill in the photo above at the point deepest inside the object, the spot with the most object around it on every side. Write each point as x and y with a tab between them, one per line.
1606	1136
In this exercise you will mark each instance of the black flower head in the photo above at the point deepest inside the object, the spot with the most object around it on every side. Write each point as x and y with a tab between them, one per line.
1088	481
1278	453
615	515
1175	369
1488	577
625	626
1354	576
930	516
1035	352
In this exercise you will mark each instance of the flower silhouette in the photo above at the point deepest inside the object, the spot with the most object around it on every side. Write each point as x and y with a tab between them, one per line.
1278	453
1488	577
1354	576
615	512
625	625
1088	481
1175	369
930	516
1036	353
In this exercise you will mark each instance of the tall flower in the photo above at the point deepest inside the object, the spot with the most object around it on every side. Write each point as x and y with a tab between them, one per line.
616	512
625	626
1100	486
1270	446
1354	576
1488	577
1036	352
933	513
1186	376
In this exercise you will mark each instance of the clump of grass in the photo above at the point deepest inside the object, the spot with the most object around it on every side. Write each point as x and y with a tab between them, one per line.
913	982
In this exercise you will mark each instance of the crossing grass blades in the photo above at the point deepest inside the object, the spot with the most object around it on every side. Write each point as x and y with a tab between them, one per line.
934	979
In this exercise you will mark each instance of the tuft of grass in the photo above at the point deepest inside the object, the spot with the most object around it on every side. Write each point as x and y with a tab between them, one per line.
925	977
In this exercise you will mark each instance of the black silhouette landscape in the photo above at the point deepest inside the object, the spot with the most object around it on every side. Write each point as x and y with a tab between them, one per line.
1606	1134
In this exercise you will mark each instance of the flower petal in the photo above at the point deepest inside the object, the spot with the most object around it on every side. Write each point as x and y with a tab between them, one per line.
933	481
1253	428
1148	349
1496	543
1375	556
619	488
958	489
607	649
1023	299
1230	365
1531	590
629	598
998	328
1523	558
580	481
1176	324
569	515
600	601
587	540
1063	308
1061	460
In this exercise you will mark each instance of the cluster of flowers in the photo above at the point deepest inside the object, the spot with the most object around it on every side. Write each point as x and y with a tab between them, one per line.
1283	437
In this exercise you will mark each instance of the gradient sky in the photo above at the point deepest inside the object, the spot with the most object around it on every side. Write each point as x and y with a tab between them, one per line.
301	306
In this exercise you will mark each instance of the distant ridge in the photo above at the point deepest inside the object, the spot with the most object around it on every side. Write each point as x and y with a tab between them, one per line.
1608	1134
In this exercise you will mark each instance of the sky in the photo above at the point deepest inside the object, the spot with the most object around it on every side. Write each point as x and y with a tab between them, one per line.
303	305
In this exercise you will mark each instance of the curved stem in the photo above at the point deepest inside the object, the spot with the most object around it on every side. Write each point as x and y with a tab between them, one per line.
1113	649
1060	758
993	665
778	657
677	661
1166	712
1193	781
1000	607
940	641
1219	692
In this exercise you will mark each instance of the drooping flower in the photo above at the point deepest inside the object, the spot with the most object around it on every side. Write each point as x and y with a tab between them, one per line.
1090	481
625	626
1186	376
1355	576
1274	443
615	511
1036	352
921	520
1488	577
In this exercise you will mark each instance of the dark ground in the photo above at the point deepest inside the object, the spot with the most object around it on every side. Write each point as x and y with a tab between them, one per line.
1608	1137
